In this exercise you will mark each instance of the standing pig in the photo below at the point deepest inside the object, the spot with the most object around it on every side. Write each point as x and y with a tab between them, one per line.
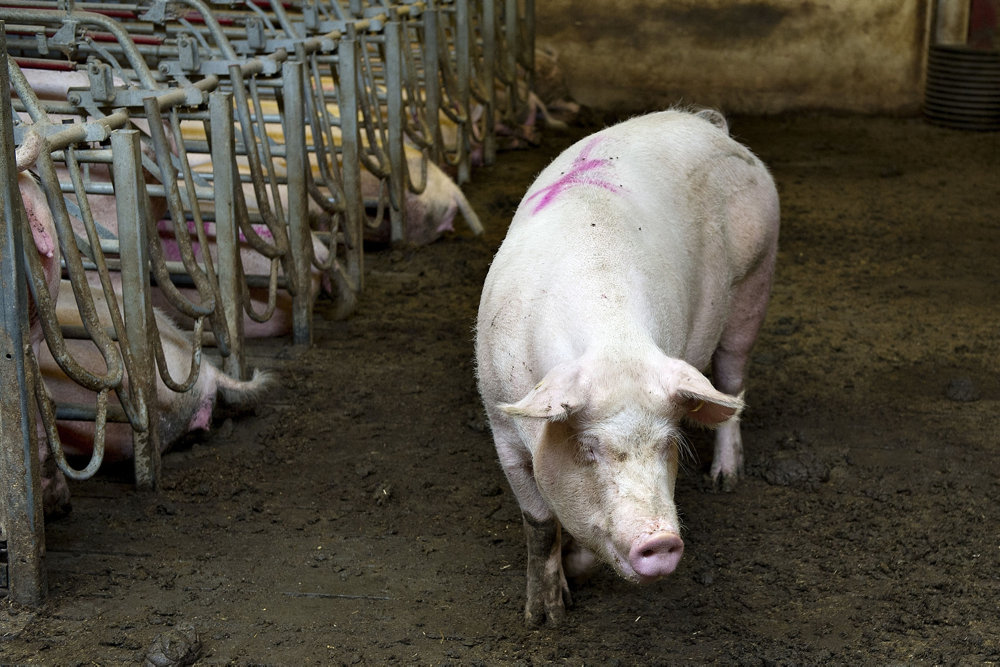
640	255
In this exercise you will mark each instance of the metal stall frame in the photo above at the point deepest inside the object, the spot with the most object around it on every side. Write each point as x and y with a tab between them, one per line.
375	53
405	75
49	139
260	54
22	527
139	348
181	62
136	245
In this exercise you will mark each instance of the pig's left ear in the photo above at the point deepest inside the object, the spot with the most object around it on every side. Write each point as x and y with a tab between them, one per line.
695	395
561	392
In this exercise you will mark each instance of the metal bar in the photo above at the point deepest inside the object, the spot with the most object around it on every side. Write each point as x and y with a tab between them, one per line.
489	64
351	284
529	42
133	242
463	54
394	106
21	500
230	270
109	24
431	83
87	412
300	238
510	66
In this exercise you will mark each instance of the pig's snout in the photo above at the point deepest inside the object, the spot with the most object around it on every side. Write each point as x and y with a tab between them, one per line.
655	555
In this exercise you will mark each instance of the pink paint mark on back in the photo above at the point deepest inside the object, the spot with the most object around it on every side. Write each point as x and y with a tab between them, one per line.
261	230
585	171
172	252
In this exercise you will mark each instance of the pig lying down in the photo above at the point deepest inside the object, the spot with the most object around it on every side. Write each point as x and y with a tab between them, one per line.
43	233
178	413
55	491
639	257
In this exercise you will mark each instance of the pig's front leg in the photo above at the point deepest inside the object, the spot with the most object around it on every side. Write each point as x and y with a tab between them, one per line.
547	591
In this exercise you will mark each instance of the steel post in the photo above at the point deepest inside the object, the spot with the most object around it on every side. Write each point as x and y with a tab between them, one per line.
21	498
354	208
133	242
299	235
227	187
394	107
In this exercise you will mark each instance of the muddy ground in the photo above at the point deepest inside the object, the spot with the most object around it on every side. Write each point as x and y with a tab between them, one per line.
359	516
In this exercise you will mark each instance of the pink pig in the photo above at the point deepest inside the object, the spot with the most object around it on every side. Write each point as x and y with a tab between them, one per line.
43	232
428	214
179	413
55	491
253	263
641	255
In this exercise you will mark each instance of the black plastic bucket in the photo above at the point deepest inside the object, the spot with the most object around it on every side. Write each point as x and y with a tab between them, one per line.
963	88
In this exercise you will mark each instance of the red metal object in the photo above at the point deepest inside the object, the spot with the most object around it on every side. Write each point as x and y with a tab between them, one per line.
41	63
984	24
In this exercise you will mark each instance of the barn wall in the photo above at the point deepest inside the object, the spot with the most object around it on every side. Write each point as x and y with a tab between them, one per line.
758	56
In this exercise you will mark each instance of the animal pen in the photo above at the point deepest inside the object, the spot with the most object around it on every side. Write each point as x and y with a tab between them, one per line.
158	130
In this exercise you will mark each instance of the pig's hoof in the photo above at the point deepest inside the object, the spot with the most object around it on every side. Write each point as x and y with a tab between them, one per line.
725	483
55	501
535	616
345	302
549	606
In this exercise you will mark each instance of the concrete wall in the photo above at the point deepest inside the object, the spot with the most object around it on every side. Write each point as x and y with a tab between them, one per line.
759	56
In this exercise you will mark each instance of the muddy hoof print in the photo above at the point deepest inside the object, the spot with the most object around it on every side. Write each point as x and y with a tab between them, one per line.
794	469
178	647
962	390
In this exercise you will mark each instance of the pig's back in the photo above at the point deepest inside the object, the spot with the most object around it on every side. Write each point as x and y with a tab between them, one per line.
661	162
624	239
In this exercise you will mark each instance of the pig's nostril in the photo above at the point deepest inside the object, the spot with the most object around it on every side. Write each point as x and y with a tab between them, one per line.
668	549
656	555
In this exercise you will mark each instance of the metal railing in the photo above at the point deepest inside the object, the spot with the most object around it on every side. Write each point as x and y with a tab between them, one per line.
225	127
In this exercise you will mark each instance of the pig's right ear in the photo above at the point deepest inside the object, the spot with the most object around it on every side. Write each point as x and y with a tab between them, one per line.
694	394
561	392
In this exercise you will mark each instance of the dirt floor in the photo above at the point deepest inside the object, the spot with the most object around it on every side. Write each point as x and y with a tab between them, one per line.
360	516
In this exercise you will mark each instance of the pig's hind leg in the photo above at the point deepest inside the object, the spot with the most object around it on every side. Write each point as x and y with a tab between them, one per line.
753	220
729	364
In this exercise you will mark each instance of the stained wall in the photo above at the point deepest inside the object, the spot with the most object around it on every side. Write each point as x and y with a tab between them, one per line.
758	56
